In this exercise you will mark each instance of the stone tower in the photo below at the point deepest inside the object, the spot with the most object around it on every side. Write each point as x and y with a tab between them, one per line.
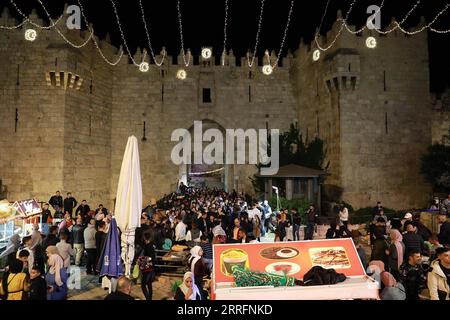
372	107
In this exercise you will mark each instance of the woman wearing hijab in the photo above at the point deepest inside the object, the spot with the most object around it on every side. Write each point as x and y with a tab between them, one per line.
188	290
396	253
375	269
198	267
14	282
380	246
56	276
393	290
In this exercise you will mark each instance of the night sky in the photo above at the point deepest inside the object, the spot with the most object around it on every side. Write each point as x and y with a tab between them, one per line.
203	23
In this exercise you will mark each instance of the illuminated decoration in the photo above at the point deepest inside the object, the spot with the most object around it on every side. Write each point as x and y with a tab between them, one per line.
30	35
144	67
124	41
222	59
181	74
206	53
267	69
159	64
316	55
251	60
371	43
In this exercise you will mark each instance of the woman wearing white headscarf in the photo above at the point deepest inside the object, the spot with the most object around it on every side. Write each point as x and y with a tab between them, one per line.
198	267
188	290
56	276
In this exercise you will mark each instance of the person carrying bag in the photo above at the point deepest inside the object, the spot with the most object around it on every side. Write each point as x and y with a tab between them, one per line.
146	264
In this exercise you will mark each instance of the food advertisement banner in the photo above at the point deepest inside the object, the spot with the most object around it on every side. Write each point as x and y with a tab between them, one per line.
291	258
27	207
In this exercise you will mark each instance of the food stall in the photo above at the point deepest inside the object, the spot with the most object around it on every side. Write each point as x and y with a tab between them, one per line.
18	217
293	259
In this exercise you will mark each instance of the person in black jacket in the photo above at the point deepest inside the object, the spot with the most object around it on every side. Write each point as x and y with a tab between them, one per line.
412	275
78	240
56	201
70	203
444	233
46	214
38	285
202	222
413	242
83	209
100	238
51	239
311	220
148	275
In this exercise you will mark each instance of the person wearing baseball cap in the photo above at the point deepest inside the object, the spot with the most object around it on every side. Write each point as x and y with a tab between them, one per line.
408	216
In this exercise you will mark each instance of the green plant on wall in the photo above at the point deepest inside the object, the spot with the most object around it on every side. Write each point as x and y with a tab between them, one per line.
294	149
436	167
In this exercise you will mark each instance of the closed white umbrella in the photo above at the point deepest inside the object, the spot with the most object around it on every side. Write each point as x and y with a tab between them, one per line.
129	201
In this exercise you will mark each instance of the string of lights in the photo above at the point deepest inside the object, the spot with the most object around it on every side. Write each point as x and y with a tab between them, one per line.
159	64
95	41
26	18
371	42
205	172
180	24
14	27
31	34
323	17
252	60
124	41
291	9
365	26
341	28
427	25
78	46
225	25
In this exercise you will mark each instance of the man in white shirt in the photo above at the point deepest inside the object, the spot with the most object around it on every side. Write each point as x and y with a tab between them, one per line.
254	211
180	230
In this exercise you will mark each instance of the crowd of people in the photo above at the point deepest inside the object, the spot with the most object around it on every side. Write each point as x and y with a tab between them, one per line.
38	265
407	257
403	254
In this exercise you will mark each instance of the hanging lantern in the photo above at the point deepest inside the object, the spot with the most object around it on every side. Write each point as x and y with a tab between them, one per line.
316	55
144	67
181	74
371	43
267	69
30	35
